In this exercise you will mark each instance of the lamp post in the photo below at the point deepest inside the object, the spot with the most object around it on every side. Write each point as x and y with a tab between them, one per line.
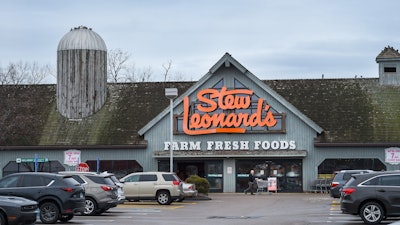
171	93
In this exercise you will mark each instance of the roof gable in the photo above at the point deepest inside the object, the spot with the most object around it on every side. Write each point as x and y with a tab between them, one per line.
227	61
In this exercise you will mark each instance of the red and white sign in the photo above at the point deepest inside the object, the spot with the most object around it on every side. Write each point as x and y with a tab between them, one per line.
72	157
82	167
392	155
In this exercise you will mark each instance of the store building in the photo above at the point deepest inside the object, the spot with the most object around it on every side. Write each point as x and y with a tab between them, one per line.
225	124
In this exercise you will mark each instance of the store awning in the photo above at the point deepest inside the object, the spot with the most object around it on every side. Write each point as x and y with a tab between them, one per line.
233	154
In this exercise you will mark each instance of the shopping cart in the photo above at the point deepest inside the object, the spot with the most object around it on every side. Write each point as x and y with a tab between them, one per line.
262	185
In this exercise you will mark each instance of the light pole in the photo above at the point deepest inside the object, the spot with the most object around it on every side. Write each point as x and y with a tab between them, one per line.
171	93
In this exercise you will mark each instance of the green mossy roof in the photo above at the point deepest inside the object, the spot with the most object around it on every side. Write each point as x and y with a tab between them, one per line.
349	111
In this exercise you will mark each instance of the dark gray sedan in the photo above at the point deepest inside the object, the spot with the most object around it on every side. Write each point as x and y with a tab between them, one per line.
17	210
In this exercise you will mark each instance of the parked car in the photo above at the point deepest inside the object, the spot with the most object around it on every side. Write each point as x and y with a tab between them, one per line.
372	196
340	179
59	196
161	186
189	190
100	191
17	210
120	187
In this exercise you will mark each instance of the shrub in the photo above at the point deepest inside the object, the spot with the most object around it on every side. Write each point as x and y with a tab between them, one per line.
202	184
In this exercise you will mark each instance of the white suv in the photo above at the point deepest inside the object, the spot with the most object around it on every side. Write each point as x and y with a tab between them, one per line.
161	186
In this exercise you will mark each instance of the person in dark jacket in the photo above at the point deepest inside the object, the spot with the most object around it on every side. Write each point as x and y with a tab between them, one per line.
251	182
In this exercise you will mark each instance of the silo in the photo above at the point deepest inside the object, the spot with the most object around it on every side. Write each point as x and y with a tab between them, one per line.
81	73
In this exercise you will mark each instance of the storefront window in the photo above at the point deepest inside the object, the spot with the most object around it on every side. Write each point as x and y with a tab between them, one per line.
119	167
214	172
287	171
328	167
50	166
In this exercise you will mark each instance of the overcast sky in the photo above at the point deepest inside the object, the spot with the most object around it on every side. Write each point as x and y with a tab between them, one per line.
293	39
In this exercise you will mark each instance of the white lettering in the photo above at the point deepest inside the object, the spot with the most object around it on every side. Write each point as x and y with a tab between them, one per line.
195	145
235	145
284	145
232	145
275	145
228	145
244	145
219	145
265	145
292	145
166	145
210	145
184	146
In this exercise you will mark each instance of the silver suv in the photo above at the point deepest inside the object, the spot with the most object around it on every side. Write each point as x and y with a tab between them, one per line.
100	191
341	178
161	186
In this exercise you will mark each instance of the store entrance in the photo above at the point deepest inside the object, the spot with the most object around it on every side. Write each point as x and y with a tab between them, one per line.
186	169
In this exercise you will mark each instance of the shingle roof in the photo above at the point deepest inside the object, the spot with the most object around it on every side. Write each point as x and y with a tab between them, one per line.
388	53
349	111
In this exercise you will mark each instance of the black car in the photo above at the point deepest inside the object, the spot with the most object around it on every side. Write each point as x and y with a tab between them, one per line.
59	196
340	179
372	196
16	210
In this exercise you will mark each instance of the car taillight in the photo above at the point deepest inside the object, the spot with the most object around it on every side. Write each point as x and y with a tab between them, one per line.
334	184
69	190
106	188
176	182
348	191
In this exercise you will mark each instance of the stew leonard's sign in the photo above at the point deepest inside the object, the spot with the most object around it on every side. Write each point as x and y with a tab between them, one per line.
207	122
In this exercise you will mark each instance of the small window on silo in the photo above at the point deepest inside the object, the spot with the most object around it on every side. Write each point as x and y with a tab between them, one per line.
390	69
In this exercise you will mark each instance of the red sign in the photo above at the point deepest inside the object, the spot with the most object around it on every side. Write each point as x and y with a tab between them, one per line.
82	167
211	123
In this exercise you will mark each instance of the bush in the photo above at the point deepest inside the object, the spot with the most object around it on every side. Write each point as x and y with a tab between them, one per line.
202	184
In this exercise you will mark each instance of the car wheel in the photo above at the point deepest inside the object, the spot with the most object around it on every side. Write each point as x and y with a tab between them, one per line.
49	212
66	218
3	220
371	213
90	207
163	198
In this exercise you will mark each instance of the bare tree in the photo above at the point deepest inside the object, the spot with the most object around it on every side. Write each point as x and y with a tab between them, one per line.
24	73
116	64
166	67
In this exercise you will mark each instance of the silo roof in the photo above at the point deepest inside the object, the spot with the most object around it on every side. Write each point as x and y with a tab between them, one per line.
82	38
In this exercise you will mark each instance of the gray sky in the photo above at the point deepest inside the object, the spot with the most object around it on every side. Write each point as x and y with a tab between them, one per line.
281	39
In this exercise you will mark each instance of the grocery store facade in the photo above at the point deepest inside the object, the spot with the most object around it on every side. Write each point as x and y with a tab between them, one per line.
224	125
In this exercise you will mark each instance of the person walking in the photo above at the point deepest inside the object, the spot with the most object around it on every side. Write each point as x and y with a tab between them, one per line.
251	182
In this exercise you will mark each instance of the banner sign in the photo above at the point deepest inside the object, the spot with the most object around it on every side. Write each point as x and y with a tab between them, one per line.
392	155
72	157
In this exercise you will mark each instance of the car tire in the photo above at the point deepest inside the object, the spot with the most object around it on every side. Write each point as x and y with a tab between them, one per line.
372	213
90	207
163	198
66	218
49	212
3	220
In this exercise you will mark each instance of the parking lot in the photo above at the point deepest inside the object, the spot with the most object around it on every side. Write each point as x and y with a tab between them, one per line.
231	208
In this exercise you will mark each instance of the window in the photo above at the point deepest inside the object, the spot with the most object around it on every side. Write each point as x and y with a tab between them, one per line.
390	180
9	182
79	179
148	177
33	181
170	177
133	178
390	69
